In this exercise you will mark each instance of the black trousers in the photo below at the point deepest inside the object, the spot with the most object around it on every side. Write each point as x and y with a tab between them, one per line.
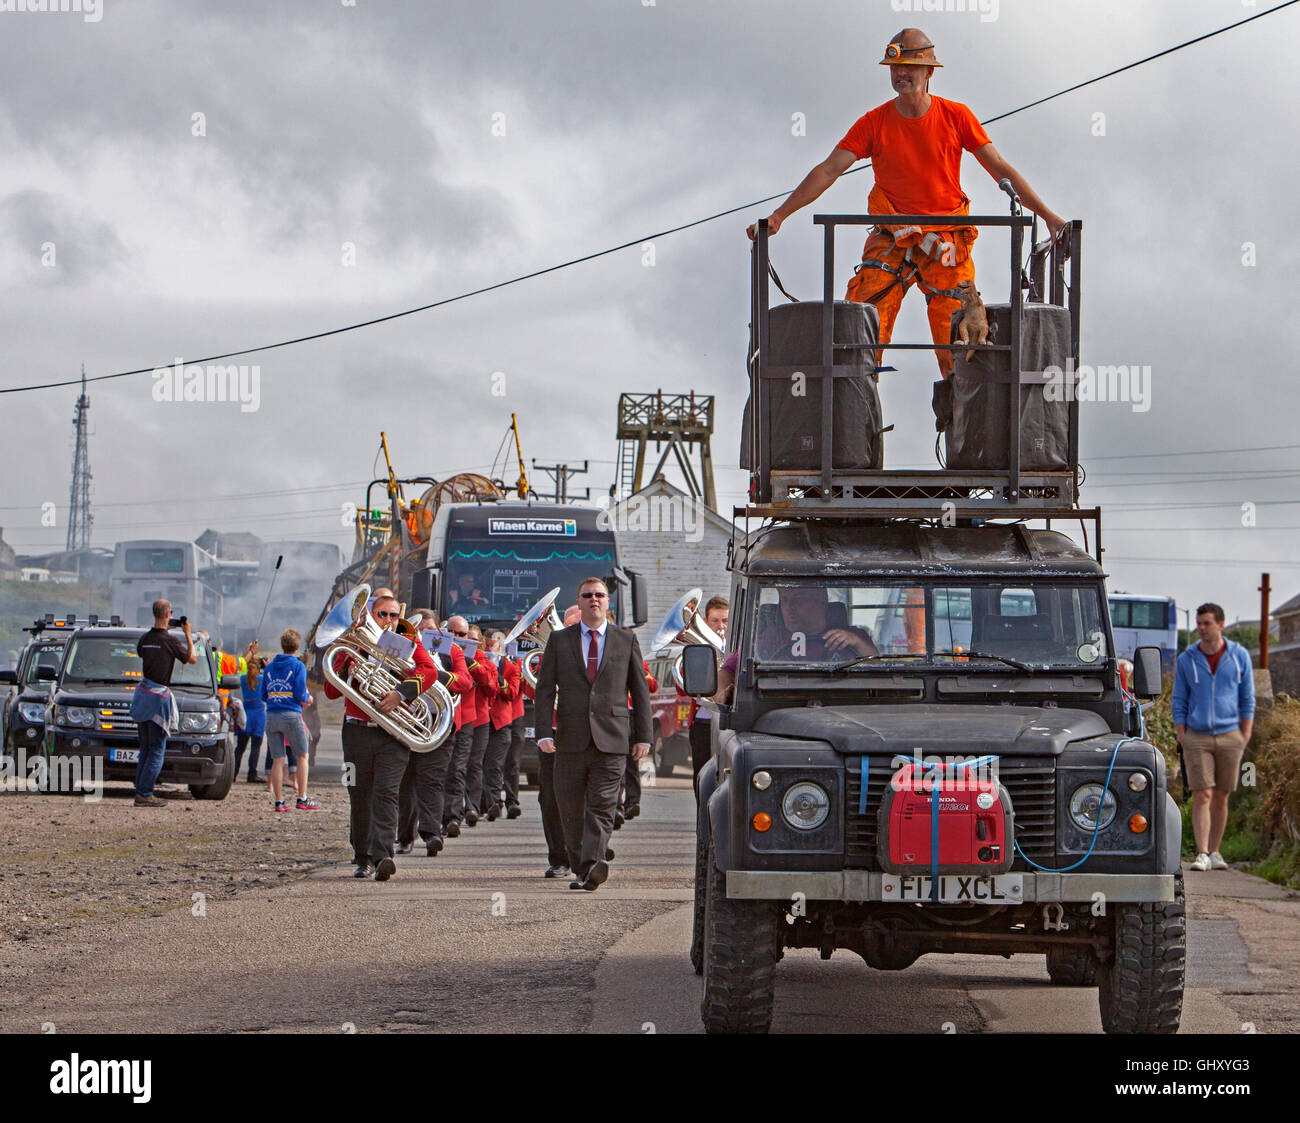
586	790
494	765
421	799
378	762
631	788
474	772
241	743
454	799
514	754
701	749
557	853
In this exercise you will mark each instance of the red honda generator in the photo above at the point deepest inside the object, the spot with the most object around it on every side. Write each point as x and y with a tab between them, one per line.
973	833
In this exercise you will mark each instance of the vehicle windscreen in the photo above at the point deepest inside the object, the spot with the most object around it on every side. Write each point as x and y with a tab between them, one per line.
50	656
492	580
104	660
1038	624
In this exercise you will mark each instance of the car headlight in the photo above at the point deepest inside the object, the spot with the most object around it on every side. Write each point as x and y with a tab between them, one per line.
199	723
805	805
1089	801
33	712
75	715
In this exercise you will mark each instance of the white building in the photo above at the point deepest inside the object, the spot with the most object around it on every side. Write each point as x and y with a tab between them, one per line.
676	543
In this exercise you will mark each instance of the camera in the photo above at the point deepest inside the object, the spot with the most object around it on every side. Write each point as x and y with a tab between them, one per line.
178	623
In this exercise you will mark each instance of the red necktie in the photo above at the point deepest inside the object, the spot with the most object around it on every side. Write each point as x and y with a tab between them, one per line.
593	659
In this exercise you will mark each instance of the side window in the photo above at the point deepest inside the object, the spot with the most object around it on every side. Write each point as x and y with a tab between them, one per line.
1119	613
1017	602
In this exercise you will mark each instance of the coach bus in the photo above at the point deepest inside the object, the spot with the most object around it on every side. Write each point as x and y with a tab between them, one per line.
1139	621
146	570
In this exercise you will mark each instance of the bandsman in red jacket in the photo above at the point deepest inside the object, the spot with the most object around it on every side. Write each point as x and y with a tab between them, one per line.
484	673
514	754
501	716
423	794
374	760
453	807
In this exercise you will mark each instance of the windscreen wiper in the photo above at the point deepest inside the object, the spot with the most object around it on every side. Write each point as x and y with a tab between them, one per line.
986	655
878	655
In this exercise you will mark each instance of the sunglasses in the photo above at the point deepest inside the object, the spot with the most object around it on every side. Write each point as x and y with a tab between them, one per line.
593	596
460	635
387	615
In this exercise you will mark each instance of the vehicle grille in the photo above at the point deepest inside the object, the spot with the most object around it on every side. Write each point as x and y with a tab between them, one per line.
114	719
1030	782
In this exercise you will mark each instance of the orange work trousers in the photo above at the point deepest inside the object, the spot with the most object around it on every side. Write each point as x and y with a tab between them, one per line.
888	290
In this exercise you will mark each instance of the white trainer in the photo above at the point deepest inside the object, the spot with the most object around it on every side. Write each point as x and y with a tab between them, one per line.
1217	862
1202	862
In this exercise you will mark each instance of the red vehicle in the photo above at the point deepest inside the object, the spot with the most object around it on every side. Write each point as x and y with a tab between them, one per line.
672	712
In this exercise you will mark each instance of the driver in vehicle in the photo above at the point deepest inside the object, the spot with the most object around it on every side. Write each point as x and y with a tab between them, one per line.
805	630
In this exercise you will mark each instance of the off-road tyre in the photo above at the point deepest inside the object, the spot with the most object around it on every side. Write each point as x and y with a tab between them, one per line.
1141	990
701	892
742	945
220	787
1071	966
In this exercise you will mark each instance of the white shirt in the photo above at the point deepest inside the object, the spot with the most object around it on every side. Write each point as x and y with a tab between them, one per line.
600	642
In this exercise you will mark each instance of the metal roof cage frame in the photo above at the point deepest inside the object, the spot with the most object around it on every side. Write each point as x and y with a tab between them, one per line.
860	492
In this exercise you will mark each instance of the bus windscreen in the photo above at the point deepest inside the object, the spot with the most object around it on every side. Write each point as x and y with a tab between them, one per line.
493	581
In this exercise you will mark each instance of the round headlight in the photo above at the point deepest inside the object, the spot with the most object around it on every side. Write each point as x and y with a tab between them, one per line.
1088	802
805	806
77	715
762	781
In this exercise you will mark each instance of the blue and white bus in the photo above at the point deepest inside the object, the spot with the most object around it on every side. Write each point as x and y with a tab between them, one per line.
1137	621
152	569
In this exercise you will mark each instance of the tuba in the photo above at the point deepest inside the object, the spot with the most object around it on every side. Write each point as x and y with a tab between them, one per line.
421	725
685	625
536	624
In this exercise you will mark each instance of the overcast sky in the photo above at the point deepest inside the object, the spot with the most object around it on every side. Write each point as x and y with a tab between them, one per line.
376	125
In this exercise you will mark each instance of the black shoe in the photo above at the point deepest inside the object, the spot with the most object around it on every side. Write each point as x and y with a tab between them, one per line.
254	778
364	869
471	818
618	820
494	813
405	847
513	811
596	876
609	855
632	812
432	847
385	869
576	884
556	871
451	828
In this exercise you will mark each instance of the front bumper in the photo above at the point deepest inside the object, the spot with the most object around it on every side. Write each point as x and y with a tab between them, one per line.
867	885
188	760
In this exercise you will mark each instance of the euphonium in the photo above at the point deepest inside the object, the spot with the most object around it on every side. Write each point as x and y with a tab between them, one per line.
684	624
537	624
371	673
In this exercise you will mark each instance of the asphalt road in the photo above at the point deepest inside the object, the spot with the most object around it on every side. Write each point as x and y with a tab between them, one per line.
476	940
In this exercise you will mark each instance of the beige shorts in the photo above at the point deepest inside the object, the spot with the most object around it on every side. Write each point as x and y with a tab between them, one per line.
1213	760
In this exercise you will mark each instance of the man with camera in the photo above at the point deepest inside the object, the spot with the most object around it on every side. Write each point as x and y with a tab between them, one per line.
153	708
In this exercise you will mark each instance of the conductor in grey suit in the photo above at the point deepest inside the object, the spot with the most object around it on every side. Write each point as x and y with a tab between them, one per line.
596	667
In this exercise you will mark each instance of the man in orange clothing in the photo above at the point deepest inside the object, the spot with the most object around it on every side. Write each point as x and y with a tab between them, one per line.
915	144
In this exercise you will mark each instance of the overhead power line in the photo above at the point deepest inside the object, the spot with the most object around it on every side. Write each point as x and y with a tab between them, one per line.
634	241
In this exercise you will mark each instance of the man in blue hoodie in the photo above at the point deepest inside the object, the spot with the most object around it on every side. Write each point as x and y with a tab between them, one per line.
1214	711
283	686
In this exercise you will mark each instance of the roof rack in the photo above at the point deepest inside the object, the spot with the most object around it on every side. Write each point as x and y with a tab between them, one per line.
831	492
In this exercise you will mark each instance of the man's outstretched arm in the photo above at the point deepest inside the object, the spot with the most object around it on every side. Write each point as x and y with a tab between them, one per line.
811	189
993	162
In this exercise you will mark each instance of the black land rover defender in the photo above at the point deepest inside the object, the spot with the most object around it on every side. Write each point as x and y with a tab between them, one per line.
988	646
928	747
89	712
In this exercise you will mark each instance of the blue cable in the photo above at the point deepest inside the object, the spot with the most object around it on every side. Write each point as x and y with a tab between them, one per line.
1096	830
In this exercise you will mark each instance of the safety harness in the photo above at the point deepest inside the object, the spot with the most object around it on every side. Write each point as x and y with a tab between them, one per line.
909	272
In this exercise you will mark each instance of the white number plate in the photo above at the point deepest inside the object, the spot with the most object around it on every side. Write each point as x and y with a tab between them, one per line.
126	756
530	731
980	889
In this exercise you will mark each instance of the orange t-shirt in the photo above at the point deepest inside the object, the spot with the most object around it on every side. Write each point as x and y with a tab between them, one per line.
917	160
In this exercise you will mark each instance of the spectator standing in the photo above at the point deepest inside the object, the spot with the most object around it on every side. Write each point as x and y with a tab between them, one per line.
283	688
254	718
153	708
1214	714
